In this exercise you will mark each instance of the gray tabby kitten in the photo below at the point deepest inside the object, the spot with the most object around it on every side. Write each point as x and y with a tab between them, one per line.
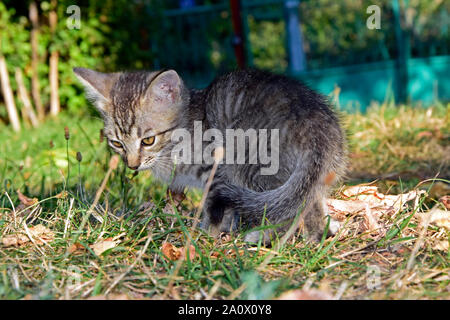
142	109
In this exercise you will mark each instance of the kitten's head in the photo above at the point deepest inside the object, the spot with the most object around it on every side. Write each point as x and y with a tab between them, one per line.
140	110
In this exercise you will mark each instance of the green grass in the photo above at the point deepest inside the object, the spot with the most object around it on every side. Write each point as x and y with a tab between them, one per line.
383	143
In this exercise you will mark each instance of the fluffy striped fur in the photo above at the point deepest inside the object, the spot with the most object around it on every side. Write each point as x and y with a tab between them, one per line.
135	105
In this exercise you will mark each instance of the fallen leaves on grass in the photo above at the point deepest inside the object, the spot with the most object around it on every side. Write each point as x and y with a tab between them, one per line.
439	218
359	198
173	253
375	210
105	244
441	245
14	240
28	208
446	201
233	253
26	200
76	248
370	195
62	195
370	220
366	201
225	237
170	251
39	233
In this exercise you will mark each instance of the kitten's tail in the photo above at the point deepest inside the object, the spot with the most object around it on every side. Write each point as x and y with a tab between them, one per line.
277	205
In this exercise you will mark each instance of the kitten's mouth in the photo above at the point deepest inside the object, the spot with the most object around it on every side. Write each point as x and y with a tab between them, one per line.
143	167
135	168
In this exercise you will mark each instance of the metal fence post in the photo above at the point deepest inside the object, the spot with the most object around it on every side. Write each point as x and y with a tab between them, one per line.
297	60
238	36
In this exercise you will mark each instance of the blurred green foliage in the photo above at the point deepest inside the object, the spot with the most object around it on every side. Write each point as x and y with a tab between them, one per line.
121	34
114	34
334	29
268	51
335	32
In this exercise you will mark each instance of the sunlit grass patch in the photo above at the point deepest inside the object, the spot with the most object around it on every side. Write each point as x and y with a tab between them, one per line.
400	141
88	257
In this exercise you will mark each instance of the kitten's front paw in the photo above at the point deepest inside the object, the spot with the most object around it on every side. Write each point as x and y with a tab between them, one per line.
254	236
334	227
316	235
230	222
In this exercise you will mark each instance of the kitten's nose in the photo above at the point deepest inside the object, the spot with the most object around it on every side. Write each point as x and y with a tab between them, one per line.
132	163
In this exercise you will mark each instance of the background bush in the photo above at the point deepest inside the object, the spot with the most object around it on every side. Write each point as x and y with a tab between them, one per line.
121	34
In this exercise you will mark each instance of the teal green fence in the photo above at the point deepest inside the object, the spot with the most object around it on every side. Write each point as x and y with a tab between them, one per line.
407	59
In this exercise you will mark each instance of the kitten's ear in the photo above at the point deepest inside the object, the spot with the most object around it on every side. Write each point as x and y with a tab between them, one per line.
97	85
165	88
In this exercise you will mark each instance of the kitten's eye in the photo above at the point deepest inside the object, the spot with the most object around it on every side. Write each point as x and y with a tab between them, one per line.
148	141
116	144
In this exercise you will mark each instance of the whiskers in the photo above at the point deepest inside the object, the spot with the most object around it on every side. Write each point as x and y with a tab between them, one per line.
160	165
165	162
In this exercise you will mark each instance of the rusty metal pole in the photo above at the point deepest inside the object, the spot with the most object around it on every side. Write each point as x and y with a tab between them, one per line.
238	36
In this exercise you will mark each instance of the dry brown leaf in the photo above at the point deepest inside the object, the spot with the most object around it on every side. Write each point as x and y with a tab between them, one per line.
170	251
62	195
15	240
358	190
441	245
232	253
103	245
225	237
192	253
76	247
39	233
372	205
345	206
370	194
446	201
25	200
370	220
439	218
173	253
305	294
339	209
359	195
